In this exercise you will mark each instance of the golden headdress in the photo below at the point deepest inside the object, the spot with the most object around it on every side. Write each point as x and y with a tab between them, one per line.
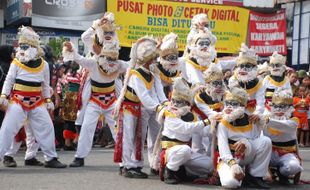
277	58
237	94
169	45
282	96
246	55
144	50
181	90
213	73
28	36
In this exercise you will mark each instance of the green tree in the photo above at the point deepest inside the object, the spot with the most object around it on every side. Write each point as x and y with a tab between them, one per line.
56	45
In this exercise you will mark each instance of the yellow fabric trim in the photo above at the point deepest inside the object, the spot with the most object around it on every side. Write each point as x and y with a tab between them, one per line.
103	90
167	79
25	88
254	89
169	114
274	131
269	94
169	144
278	84
198	67
245	128
197	97
216	106
147	84
29	69
130	96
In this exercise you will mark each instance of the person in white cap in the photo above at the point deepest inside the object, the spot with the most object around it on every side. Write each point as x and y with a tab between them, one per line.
276	79
281	128
27	87
103	69
178	160
136	107
241	145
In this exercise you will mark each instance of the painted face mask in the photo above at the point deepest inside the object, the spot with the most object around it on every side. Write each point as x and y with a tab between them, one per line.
246	72
233	110
277	69
215	90
170	63
281	111
26	53
108	64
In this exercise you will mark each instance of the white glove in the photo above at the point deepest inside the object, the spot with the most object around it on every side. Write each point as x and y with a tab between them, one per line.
49	104
4	101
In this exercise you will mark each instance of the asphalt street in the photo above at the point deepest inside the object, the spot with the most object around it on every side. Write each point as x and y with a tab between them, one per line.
99	173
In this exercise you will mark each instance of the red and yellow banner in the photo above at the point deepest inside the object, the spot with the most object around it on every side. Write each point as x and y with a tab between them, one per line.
144	17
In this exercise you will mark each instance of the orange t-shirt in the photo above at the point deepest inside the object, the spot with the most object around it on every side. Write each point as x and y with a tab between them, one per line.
301	112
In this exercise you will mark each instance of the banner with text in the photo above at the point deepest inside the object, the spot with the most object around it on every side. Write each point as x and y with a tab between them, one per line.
267	33
142	17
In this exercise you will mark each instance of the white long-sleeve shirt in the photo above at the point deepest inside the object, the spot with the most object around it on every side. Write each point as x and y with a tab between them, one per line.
176	128
241	129
147	92
257	92
94	70
17	72
281	130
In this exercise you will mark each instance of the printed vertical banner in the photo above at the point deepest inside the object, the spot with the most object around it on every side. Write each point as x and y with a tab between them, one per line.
267	33
158	18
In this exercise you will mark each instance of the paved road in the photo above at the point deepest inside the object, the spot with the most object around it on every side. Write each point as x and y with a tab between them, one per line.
99	173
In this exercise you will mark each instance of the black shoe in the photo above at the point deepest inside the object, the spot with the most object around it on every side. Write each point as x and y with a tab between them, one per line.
135	173
54	163
69	148
9	162
33	162
154	172
121	170
283	180
77	162
256	182
170	177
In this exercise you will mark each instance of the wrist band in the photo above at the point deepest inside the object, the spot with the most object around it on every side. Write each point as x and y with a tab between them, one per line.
4	96
48	100
232	162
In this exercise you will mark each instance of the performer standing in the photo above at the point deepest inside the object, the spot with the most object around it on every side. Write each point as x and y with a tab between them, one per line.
281	128
169	65
27	86
136	107
104	69
276	79
241	145
245	76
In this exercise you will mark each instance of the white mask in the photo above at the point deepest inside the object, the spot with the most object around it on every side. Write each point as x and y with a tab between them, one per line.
25	56
108	65
251	75
236	113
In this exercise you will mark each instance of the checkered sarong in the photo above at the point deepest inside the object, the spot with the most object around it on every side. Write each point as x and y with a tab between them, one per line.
103	100
28	100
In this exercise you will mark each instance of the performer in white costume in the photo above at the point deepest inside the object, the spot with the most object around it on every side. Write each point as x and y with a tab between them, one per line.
208	104
136	107
241	145
169	65
27	87
245	76
31	151
101	32
276	79
281	129
178	160
103	69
